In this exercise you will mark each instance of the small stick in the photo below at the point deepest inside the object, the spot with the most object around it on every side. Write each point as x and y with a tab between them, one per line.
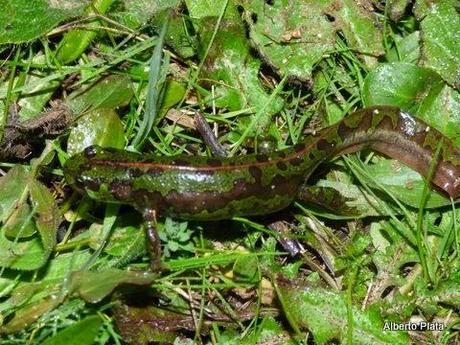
292	246
208	136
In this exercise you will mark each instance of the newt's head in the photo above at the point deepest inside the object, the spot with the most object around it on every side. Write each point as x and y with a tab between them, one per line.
93	171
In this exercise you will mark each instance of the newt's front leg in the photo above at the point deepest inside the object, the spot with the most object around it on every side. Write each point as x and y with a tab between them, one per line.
154	242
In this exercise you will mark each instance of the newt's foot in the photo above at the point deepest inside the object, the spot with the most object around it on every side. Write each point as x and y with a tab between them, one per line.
158	267
154	243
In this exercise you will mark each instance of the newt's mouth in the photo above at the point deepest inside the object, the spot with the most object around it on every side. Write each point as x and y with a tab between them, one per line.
72	172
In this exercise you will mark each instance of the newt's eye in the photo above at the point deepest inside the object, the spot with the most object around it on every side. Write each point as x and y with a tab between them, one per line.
84	182
93	184
80	181
90	151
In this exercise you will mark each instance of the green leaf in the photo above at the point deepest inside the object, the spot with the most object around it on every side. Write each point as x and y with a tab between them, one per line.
419	90
31	299
228	65
179	36
141	12
324	314
200	9
360	28
35	94
391	253
408	49
173	246
80	333
101	126
448	292
24	20
401	84
110	92
442	111
75	42
94	286
423	7
293	36
124	242
25	316
246	269
441	41
174	91
32	253
20	217
404	183
47	216
145	323
22	255
12	185
268	331
175	236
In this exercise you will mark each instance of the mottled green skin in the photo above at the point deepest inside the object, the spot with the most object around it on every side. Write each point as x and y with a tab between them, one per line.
202	188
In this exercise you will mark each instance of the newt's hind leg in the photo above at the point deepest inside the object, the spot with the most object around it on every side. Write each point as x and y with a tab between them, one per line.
153	240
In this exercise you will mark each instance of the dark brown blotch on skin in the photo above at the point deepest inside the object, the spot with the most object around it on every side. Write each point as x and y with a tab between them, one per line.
84	167
239	183
180	162
144	199
365	122
296	161
386	122
255	172
262	158
111	150
120	189
299	147
281	166
154	172
343	130
279	180
324	145
135	172
214	162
